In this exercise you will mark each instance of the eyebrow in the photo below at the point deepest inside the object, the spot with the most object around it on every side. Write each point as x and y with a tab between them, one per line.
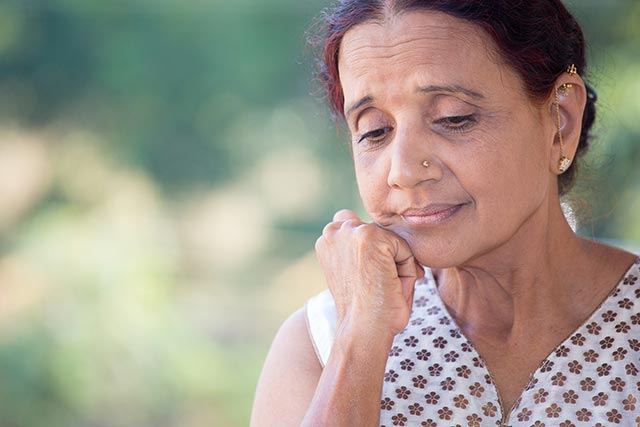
452	89
426	89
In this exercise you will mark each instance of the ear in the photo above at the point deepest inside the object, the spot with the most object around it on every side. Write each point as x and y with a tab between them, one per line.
566	108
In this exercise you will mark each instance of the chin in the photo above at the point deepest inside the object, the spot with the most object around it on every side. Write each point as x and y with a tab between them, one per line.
433	253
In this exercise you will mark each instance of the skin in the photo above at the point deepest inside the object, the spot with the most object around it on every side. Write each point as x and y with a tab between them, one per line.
485	215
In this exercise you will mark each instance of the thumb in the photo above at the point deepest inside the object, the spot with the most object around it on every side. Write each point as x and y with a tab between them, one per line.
408	268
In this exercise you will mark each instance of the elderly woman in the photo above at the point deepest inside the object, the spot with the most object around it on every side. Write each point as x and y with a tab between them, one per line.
468	300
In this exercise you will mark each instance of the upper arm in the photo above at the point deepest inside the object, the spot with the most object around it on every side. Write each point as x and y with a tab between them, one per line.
289	377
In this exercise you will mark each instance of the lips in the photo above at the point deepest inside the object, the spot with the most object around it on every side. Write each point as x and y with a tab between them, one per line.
430	215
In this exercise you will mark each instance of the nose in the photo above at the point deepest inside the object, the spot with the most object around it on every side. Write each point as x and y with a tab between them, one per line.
412	160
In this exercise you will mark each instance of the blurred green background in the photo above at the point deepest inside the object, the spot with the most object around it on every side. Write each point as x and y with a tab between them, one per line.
164	173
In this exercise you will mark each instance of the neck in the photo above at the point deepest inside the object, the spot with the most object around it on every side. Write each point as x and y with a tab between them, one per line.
527	283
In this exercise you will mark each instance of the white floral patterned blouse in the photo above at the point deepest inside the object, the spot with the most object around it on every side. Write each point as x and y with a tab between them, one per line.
435	378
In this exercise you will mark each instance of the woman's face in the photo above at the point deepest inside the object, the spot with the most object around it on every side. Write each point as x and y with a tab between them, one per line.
424	86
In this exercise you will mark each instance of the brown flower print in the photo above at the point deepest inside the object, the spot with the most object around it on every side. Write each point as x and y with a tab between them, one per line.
399	420
558	379
476	389
540	396
428	423
435	370
445	413
575	367
387	404
417	321
423	355
587	384
439	342
433	310
619	354
432	398
407	365
411	341
391	376
593	328
403	393
606	342
416	409
489	410
451	357
474	420
553	411
584	414
629	404
421	302
631	369
447	384
623	328
466	347
617	384
562	351
590	356
428	330
419	381
600	399
570	397
609	316
455	333
478	363
625	304
463	371
395	351
614	416
444	321
547	365
524	415
460	401
567	423
604	370
578	340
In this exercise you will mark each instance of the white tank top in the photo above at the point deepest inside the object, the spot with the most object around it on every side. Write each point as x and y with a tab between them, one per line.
435	378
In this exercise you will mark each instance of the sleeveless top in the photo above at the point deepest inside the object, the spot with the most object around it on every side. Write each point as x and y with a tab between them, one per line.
435	378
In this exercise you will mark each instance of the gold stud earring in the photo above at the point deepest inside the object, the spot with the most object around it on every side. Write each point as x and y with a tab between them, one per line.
571	69
564	88
564	162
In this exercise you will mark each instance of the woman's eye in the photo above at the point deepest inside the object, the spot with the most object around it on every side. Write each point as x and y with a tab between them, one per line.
457	123
375	135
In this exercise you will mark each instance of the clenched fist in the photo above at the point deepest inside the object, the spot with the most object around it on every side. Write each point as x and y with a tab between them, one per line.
370	272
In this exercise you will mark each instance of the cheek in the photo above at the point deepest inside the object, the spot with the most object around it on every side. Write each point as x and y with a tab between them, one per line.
372	180
507	174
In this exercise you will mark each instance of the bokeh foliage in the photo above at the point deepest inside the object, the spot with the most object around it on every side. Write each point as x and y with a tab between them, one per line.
164	172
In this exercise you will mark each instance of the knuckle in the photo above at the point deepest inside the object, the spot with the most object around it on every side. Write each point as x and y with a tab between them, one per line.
365	232
330	228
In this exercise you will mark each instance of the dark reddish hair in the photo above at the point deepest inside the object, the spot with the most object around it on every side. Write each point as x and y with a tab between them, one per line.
537	38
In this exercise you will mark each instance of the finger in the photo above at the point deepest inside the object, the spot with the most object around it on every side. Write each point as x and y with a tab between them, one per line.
345	215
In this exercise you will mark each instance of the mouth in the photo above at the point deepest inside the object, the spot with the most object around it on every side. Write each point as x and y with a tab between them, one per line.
431	215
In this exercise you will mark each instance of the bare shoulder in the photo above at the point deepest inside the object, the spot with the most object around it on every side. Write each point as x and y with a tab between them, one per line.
611	258
289	377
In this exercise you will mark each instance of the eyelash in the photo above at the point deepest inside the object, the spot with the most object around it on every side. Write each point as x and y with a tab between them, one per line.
453	124
457	123
375	135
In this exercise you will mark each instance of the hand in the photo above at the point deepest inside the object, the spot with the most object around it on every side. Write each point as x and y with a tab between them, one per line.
370	272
